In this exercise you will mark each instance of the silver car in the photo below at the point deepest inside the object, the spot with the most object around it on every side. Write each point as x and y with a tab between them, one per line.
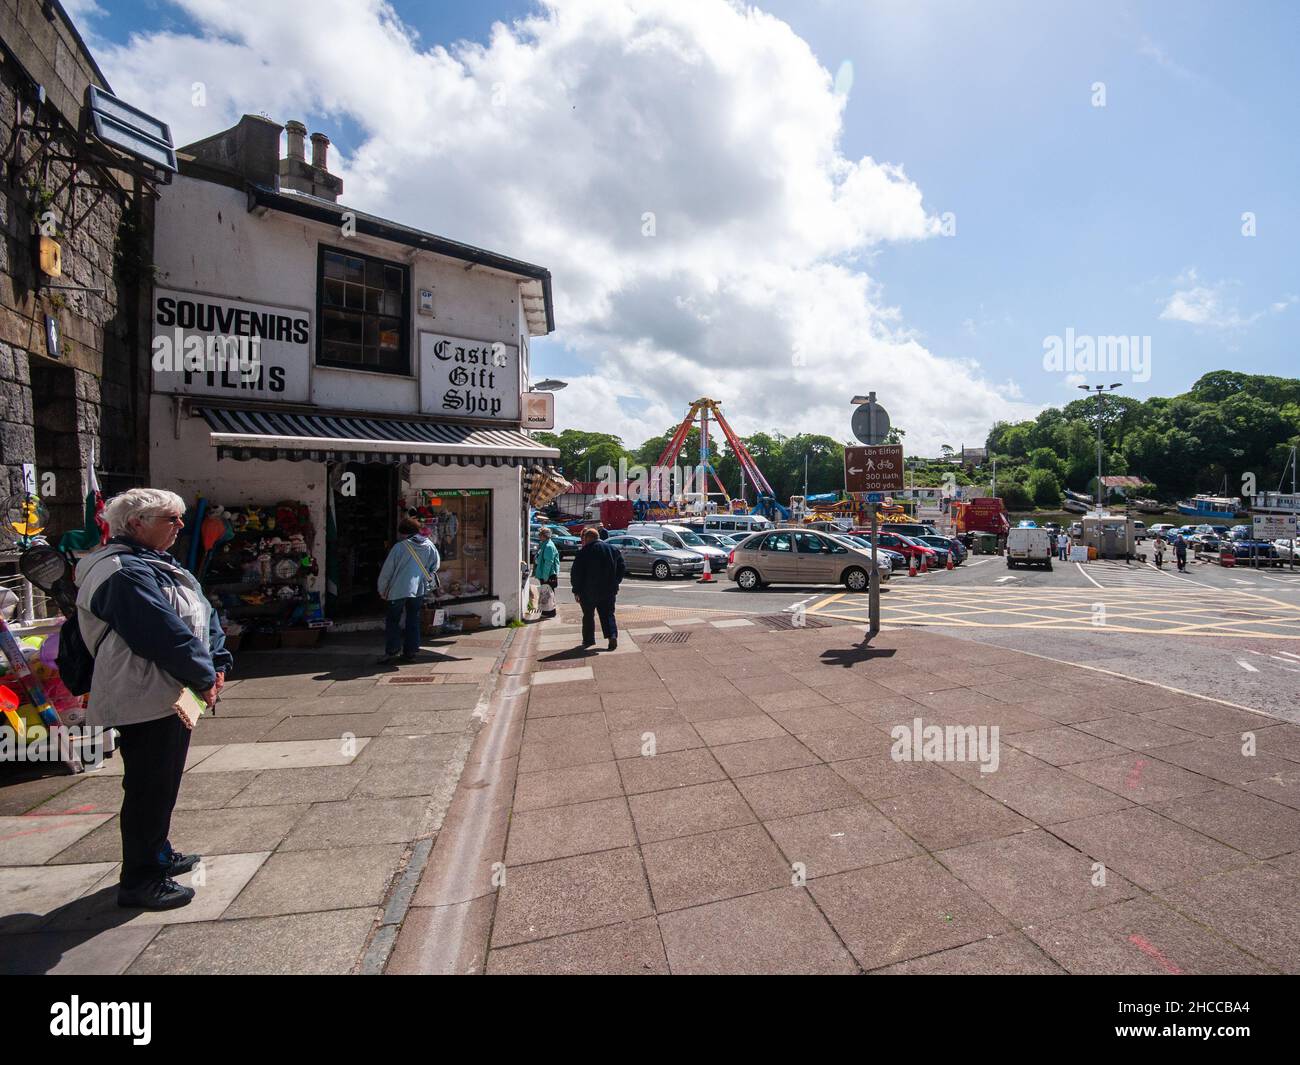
653	557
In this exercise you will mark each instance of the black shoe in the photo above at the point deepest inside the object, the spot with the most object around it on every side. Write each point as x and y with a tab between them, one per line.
613	644
164	894
388	660
549	613
408	658
179	864
589	644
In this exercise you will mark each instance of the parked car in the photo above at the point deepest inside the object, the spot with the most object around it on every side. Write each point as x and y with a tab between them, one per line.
798	556
1139	531
719	540
1242	532
906	546
1285	548
906	528
893	559
680	537
1161	528
565	542
949	544
1076	530
741	524
653	557
1029	547
1255	553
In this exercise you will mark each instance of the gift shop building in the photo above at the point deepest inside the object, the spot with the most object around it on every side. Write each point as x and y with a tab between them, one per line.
318	372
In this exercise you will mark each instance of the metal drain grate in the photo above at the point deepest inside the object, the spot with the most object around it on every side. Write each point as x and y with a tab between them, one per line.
411	680
669	637
787	621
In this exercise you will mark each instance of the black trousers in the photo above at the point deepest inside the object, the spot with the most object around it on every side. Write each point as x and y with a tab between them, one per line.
608	627
153	758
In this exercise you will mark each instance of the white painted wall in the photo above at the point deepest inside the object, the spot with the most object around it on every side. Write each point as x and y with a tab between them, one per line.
182	460
506	485
208	242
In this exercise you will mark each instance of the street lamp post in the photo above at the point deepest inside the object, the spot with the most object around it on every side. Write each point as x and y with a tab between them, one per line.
1099	390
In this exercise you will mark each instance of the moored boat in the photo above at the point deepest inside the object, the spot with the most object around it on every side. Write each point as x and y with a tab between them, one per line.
1203	506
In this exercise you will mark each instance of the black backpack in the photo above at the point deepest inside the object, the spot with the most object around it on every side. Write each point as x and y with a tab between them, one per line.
75	660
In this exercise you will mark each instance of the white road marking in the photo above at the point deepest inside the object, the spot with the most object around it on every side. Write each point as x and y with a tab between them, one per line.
1003	580
1247	666
1079	566
1289	655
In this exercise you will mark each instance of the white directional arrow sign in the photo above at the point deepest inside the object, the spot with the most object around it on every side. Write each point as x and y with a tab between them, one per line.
873	469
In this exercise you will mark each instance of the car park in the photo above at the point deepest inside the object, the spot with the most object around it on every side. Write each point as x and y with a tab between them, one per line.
950	544
1254	552
650	556
892	559
798	556
682	538
741	524
906	546
719	540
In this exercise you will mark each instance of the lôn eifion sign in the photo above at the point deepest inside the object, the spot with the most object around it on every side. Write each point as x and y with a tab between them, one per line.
873	469
463	378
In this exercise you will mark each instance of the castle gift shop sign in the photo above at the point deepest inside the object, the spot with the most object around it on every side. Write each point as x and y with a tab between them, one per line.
467	378
210	346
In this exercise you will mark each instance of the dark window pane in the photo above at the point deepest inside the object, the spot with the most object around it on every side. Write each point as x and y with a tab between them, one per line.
333	264
333	292
392	304
356	298
395	278
354	269
373	297
374	273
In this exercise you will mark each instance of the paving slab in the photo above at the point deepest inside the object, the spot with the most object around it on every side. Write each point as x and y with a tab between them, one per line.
1147	848
290	754
572	784
1141	778
1048	795
1033	876
1260	827
1010	954
564	676
837	840
32	892
356	822
1140	938
763	756
538	756
309	881
217	880
950	814
238	830
1209	719
633	743
633	948
327	727
107	953
670	769
737	729
301	944
692	870
570	895
561	831
790	792
688	811
774	932
905	909
1224	759
34	840
1134	732
283	787
196	756
430	750
1063	746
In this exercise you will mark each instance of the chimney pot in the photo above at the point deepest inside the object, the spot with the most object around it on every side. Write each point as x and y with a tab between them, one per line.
296	131
320	146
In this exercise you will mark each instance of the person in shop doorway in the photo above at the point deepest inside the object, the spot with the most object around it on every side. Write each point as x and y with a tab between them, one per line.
152	632
408	575
595	575
547	572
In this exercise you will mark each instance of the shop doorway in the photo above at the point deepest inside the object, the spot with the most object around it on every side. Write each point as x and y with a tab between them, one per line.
365	520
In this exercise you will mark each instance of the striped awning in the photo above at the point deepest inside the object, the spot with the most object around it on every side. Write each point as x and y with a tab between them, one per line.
246	433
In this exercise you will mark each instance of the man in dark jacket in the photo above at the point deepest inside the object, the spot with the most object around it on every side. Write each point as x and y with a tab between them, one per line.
595	575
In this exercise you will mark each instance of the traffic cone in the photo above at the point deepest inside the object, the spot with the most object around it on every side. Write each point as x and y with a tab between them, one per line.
911	565
707	576
925	564
949	566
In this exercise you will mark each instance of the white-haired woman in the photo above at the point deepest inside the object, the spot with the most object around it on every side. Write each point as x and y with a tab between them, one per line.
152	632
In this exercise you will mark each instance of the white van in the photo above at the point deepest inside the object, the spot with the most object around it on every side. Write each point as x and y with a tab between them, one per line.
740	524
1029	547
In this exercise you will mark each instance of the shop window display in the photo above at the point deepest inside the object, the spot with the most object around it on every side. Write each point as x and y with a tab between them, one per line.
458	521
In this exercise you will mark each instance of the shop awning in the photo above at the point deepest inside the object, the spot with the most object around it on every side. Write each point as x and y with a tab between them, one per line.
245	433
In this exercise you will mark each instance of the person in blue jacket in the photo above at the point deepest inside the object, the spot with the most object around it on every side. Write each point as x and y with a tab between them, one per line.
152	633
596	573
407	575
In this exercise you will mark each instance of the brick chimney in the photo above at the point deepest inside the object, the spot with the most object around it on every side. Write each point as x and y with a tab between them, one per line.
313	178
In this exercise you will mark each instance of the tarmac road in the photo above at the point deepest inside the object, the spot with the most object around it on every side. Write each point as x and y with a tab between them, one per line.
1232	634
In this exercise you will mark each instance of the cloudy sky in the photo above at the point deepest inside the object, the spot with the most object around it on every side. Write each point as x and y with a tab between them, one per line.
785	204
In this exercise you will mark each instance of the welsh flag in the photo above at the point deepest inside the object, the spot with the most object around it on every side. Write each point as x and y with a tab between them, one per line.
95	530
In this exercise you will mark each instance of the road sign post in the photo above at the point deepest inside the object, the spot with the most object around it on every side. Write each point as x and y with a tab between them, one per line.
873	470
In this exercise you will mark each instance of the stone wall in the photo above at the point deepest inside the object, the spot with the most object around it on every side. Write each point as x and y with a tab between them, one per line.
94	392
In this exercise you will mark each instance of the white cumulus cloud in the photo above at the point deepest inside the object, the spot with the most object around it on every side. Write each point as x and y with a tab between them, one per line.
567	138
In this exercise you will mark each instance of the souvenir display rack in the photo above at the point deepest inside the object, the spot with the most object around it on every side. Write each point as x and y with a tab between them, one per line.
255	563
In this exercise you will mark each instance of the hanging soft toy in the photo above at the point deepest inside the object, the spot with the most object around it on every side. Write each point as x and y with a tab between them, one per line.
254	520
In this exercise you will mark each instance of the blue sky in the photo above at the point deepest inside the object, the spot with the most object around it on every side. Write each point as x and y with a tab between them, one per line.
1118	219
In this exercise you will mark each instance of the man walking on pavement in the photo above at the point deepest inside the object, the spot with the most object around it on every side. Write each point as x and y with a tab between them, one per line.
595	575
1063	545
